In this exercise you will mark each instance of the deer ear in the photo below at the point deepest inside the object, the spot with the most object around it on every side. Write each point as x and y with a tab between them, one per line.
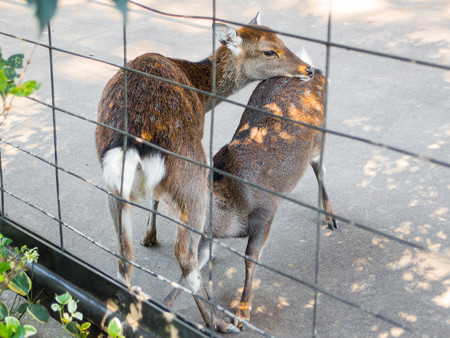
256	20
228	36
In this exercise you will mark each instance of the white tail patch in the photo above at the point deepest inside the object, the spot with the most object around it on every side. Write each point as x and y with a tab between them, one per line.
306	58
152	172
112	170
140	176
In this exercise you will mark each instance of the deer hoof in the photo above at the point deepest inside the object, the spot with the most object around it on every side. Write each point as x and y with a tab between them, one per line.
231	329
242	326
333	225
148	241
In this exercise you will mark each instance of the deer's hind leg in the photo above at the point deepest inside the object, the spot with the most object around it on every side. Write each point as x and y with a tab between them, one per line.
187	187
130	179
150	237
203	258
260	222
121	215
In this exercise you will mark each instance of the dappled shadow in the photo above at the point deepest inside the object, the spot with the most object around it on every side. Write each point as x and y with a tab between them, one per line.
394	193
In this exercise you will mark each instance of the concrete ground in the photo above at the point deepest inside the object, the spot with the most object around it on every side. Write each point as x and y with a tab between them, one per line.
404	105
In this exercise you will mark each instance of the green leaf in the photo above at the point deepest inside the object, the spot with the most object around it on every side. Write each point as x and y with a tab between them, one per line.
20	332
11	75
55	307
5	330
114	327
4	266
64	298
29	330
21	284
72	328
38	312
45	9
3	86
122	6
6	241
25	89
77	315
23	307
10	320
15	61
72	306
4	311
85	326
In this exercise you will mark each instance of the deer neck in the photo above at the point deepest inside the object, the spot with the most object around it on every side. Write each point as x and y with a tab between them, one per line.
229	76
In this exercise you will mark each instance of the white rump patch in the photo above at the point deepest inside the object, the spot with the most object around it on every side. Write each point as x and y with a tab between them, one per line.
112	170
140	175
193	281
152	172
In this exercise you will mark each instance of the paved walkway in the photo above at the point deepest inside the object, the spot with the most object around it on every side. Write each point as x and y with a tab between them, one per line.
400	104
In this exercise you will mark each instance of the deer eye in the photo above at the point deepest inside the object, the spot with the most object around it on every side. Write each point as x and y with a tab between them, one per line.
269	53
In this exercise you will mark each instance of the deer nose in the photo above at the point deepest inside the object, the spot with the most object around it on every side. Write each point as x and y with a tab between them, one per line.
310	72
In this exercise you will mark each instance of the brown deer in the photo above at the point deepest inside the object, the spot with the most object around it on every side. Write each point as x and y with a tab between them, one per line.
269	152
172	117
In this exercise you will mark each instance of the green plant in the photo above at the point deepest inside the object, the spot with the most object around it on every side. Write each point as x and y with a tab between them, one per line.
45	9
67	318
8	85
13	277
75	329
115	328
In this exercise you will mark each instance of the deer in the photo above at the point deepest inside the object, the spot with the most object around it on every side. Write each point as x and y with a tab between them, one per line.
269	152
164	116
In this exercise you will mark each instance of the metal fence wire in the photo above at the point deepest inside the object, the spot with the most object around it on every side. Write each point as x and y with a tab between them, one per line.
327	297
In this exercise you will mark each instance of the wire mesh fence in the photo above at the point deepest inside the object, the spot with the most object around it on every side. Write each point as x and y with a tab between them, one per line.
385	272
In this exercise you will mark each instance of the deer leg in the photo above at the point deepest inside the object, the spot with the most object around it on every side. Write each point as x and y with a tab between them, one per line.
186	251
256	241
203	257
121	215
150	235
173	295
332	222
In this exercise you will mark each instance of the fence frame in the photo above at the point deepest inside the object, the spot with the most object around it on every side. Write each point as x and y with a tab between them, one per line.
19	233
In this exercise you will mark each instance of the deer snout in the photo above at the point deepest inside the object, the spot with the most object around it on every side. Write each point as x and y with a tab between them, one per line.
306	72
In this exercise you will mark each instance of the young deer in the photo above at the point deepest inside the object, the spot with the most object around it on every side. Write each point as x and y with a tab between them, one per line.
269	152
172	117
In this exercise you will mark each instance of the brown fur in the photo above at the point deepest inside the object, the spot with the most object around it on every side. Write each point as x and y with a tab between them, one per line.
172	117
269	152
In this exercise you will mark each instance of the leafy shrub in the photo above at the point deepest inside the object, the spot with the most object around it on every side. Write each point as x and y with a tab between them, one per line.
8	77
13	277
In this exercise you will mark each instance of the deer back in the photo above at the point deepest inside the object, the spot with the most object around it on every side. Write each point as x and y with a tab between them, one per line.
267	150
151	116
